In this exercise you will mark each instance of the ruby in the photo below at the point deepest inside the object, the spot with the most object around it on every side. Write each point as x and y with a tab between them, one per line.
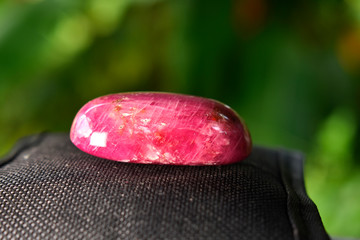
161	128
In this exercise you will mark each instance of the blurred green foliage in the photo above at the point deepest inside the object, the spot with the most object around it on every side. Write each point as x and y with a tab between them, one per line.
290	68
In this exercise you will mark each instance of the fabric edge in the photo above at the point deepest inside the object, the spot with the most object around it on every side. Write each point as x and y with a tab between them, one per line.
291	164
21	145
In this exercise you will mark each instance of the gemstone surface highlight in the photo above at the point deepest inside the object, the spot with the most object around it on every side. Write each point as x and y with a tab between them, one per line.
161	128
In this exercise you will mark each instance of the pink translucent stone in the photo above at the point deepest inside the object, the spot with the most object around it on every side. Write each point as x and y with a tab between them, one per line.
161	128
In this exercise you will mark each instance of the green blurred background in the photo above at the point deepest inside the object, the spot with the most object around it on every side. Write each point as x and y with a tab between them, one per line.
290	68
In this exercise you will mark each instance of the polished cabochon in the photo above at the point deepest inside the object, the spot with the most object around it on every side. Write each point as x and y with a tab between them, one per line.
161	128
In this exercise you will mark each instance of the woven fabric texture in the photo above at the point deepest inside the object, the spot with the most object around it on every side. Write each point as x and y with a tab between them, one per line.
51	190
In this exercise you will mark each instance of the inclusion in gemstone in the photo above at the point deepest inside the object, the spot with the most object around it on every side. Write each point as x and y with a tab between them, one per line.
161	128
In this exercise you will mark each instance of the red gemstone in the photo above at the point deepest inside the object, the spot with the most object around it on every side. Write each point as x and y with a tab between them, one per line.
161	128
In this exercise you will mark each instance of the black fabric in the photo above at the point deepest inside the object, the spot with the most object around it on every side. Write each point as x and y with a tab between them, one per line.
51	190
